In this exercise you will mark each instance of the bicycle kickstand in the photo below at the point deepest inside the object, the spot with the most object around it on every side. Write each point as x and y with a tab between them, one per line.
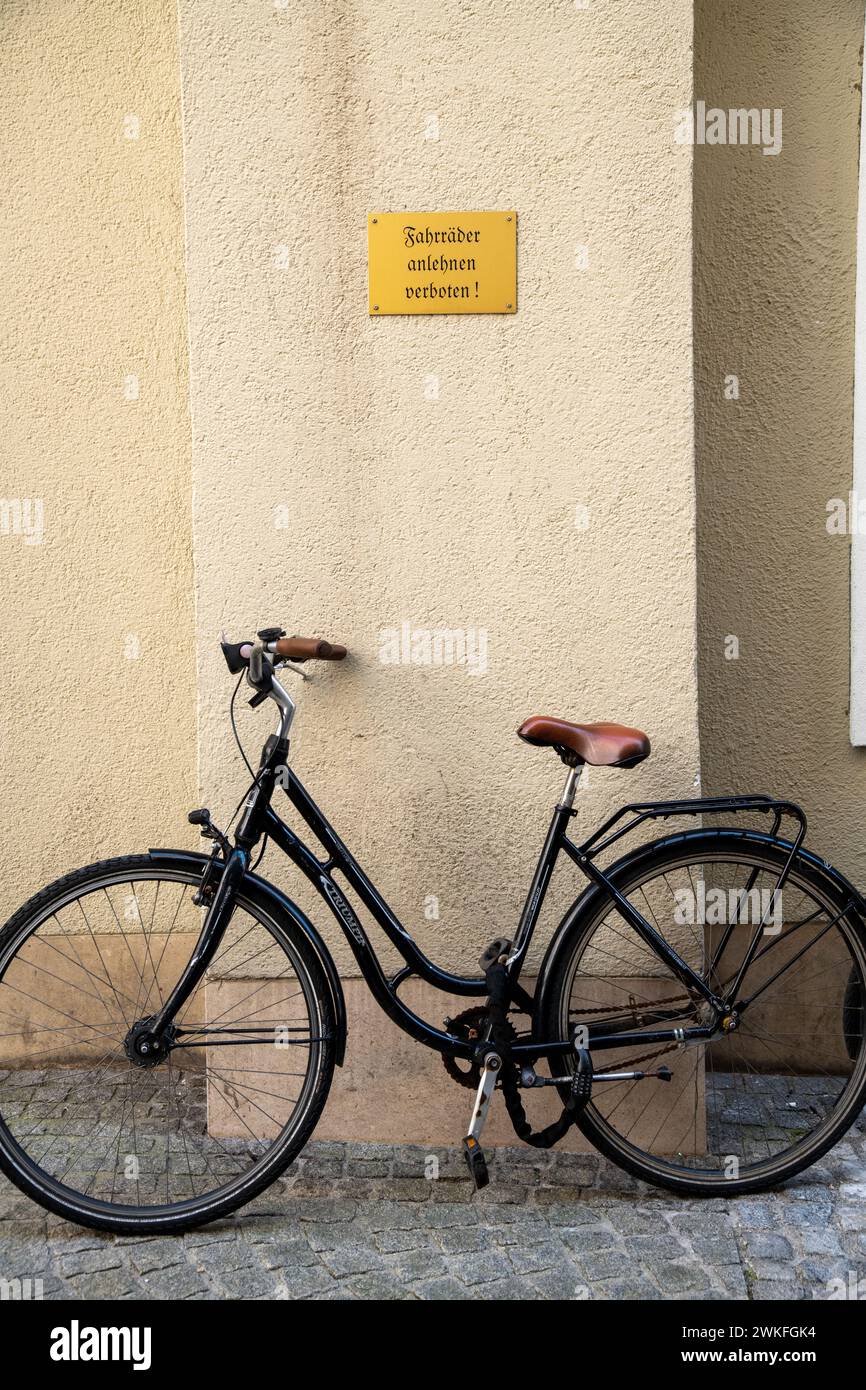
472	1150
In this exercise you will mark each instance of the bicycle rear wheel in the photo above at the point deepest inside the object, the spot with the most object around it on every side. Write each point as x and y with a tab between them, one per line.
104	1137
750	1107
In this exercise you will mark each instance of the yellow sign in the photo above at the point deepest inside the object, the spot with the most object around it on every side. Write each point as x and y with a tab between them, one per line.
442	262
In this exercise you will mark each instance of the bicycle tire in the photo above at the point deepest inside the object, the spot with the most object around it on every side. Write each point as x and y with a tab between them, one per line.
125	1218
576	932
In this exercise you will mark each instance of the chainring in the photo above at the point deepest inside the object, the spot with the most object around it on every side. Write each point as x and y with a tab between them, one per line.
468	1026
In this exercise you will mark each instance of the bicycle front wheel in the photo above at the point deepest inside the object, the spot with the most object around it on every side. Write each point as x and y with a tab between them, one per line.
105	1137
749	1107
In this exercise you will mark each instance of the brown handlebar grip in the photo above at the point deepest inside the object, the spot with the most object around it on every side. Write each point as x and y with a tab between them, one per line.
309	648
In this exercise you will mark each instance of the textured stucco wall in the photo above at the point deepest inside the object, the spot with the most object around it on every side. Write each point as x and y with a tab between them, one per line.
457	511
98	743
774	303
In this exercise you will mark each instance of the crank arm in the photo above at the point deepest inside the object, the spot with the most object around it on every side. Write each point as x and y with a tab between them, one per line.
486	1087
472	1150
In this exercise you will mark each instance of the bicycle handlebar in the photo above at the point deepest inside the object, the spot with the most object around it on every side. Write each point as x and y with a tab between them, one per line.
238	654
306	649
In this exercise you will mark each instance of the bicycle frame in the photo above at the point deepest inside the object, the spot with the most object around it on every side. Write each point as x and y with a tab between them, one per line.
260	819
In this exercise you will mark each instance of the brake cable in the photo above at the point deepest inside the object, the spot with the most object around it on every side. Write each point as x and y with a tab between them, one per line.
255	775
235	731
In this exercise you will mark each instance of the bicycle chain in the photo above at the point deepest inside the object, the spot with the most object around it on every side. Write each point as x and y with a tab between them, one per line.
645	1056
635	1009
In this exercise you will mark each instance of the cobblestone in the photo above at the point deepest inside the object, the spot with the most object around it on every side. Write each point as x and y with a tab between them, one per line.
363	1221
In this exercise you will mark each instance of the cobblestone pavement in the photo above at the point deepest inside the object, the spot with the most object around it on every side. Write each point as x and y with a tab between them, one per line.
365	1221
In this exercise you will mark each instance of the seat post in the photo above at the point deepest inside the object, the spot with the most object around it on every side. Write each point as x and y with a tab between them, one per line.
544	867
572	782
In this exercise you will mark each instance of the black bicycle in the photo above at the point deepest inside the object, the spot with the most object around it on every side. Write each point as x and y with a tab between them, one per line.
171	1020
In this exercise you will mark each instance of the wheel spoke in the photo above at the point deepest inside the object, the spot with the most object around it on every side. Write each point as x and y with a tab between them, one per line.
132	1132
755	1099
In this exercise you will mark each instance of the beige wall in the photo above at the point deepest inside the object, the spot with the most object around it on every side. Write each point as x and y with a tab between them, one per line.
334	494
456	512
774	303
98	747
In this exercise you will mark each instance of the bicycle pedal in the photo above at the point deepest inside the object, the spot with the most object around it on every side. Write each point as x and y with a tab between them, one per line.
581	1081
476	1162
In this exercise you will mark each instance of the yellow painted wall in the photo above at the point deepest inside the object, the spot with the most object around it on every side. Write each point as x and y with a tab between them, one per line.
97	711
355	473
774	304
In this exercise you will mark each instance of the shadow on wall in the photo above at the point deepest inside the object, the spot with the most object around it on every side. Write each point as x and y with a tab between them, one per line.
774	266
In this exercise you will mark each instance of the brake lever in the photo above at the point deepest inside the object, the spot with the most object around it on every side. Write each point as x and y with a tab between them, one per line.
288	666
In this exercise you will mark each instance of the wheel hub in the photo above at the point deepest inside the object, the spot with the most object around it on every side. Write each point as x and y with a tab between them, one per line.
145	1048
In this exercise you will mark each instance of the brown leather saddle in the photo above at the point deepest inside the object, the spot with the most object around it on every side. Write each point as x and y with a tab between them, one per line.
600	745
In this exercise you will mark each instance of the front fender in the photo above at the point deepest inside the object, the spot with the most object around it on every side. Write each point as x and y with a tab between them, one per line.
280	906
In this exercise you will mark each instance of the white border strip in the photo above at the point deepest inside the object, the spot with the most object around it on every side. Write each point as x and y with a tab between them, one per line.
858	542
